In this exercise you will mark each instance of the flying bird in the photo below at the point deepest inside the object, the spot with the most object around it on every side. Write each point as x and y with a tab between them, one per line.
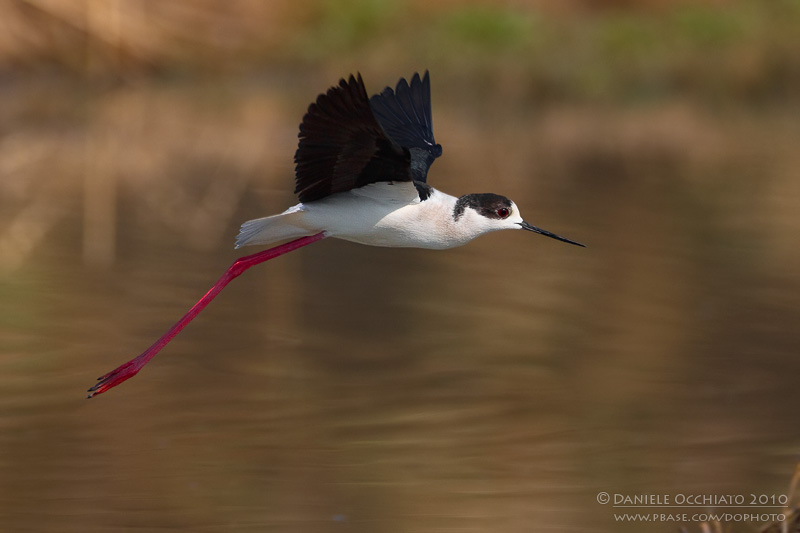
361	174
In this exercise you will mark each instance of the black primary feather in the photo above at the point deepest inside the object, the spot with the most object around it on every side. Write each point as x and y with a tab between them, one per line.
342	146
405	114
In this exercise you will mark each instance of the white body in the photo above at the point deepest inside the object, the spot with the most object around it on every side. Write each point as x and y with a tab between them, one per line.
379	214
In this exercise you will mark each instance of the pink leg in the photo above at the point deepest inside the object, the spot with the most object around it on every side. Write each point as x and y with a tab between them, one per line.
129	369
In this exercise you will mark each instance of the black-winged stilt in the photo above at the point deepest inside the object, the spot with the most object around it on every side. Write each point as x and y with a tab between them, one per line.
361	175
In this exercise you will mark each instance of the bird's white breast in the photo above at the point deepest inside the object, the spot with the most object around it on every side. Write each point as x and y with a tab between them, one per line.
388	214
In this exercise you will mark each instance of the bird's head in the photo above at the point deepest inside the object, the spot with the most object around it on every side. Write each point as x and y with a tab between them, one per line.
485	212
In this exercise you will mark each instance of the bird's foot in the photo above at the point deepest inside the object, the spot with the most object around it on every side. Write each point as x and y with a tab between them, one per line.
117	376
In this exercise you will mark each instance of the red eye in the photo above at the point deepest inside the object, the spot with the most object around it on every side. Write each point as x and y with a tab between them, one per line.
502	212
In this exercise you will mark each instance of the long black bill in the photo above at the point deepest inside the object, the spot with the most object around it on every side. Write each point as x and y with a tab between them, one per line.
546	233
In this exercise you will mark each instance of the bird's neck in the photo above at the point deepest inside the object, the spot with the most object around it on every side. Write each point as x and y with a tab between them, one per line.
458	226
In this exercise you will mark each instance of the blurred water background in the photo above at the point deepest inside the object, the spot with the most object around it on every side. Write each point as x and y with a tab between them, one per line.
495	387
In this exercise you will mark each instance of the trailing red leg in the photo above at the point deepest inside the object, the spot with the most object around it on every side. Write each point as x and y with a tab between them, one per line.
132	367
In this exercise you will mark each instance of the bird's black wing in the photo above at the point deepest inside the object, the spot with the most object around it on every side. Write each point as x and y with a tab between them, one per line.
342	146
405	114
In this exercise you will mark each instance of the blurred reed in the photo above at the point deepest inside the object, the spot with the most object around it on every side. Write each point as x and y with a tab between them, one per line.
177	107
560	49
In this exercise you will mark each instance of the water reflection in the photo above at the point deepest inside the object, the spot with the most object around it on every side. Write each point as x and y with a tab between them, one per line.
498	386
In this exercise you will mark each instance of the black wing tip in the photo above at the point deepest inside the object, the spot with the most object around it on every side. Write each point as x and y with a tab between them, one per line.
354	81
403	84
425	80
345	84
353	78
405	111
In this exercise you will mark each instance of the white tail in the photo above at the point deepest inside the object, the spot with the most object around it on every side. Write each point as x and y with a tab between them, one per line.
287	225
